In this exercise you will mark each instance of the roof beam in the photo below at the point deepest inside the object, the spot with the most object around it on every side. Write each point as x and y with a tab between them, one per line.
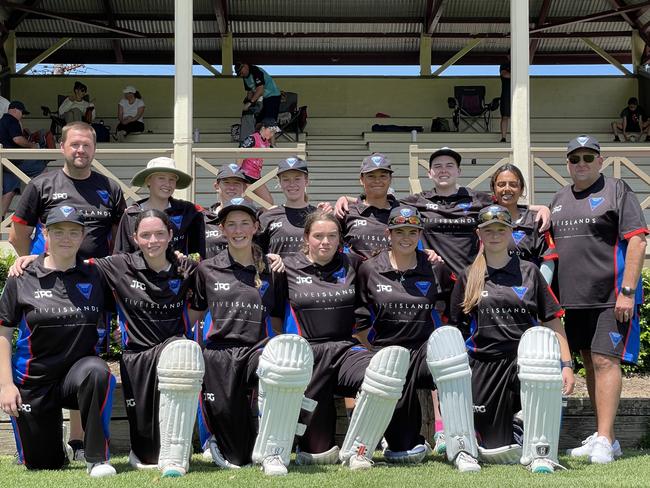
44	55
606	56
592	17
110	16
434	12
541	18
467	48
54	15
220	8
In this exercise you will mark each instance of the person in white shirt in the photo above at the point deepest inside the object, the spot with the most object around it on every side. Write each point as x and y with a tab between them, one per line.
130	111
77	107
4	105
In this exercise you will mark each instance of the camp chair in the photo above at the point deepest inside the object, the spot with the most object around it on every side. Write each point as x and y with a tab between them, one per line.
469	107
57	122
295	125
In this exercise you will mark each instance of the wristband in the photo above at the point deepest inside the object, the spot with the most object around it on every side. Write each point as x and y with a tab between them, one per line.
567	364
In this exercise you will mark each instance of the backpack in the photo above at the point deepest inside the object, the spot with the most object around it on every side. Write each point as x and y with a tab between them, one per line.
103	131
439	124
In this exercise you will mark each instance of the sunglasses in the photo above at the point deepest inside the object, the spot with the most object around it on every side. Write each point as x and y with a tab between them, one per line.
576	158
400	220
500	215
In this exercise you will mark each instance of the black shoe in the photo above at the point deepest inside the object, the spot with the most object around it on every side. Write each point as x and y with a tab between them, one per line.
503	139
616	139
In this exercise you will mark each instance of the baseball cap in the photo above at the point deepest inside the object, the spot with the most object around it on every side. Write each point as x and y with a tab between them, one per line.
293	163
271	124
494	214
238	203
18	106
238	67
583	141
64	213
445	151
374	162
129	89
231	170
404	216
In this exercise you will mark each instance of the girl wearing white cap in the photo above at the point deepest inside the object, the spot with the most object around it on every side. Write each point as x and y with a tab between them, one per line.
130	112
162	178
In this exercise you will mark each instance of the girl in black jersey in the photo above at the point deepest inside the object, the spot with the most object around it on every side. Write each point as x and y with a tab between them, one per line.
235	293
493	302
528	242
281	227
58	305
150	287
320	306
405	296
162	178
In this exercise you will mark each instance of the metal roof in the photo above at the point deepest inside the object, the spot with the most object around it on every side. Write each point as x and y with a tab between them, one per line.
323	31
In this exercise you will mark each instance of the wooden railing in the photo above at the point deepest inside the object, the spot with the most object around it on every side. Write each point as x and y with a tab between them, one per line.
200	158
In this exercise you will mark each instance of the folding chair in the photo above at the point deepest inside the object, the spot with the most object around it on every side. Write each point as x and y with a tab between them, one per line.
469	107
295	125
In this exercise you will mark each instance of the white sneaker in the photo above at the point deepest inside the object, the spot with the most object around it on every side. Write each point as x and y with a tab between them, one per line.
273	466
100	470
135	462
217	457
440	443
466	463
587	446
172	471
207	455
601	451
359	461
544	466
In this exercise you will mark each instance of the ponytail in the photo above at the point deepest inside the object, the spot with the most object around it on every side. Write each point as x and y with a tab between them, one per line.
258	262
475	282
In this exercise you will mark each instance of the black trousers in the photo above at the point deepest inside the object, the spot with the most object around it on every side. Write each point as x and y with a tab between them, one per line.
142	400
87	387
134	126
403	432
339	369
230	378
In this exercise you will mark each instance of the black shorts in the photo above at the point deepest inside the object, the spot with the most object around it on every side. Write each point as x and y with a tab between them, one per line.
504	105
496	396
597	330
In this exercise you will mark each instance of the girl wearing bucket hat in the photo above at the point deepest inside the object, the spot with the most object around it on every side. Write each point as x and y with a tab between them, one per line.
162	178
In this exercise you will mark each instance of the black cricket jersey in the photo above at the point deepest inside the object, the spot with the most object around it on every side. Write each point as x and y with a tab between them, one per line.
151	307
514	298
528	243
404	306
364	227
98	198
321	301
238	313
187	227
58	315
282	229
215	242
450	224
591	229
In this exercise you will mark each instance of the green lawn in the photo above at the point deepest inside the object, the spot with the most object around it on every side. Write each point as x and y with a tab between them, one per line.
632	470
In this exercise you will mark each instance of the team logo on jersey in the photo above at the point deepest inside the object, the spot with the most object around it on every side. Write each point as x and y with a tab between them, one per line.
66	210
104	195
406	212
177	220
464	206
596	202
263	287
237	201
291	162
233	167
616	338
518	236
520	291
175	286
423	286
340	275
376	160
86	289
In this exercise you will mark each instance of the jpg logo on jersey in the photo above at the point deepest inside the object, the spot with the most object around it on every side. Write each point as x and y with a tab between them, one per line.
303	280
384	288
221	286
43	294
137	285
275	225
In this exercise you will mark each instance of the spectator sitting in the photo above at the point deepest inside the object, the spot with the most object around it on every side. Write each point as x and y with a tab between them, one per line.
252	167
130	111
77	107
633	119
11	137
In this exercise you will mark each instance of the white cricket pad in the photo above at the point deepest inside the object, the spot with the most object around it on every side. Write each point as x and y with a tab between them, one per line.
375	403
449	366
284	370
180	375
501	455
540	376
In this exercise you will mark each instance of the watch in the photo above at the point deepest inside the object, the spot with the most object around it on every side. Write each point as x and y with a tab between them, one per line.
567	364
628	291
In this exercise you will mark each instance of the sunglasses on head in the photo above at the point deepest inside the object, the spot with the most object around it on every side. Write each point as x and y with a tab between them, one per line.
400	219
587	158
500	215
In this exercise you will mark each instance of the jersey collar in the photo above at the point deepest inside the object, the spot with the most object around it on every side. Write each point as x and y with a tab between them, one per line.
511	268
41	271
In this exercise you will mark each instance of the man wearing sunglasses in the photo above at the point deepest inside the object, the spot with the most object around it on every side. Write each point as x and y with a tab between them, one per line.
600	234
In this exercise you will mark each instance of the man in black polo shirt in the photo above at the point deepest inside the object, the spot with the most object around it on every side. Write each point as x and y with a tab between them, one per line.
600	235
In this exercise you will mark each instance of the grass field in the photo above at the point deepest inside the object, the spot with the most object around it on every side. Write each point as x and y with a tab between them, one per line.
631	471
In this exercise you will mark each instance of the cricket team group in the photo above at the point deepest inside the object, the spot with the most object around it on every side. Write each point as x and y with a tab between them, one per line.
470	295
